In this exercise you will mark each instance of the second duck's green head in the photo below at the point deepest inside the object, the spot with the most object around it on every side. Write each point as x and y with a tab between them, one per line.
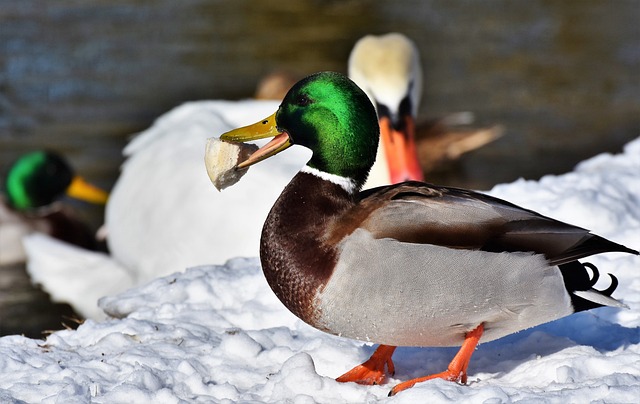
39	178
327	113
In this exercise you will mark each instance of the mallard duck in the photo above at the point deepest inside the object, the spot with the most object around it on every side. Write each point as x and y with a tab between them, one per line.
410	264
32	187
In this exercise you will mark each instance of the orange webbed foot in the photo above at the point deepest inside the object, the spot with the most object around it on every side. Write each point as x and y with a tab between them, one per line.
373	370
448	375
457	370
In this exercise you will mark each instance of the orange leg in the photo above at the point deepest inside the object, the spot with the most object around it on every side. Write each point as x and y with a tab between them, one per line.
372	371
457	370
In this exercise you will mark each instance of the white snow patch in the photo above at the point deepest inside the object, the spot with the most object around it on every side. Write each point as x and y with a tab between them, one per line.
218	334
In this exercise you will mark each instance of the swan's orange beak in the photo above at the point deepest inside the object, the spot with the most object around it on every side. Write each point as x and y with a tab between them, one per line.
400	149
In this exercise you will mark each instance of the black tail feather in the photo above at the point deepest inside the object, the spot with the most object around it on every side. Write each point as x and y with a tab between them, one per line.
595	273
590	245
576	278
614	284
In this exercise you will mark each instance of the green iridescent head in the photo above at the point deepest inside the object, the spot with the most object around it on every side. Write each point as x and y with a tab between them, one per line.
327	113
330	115
37	179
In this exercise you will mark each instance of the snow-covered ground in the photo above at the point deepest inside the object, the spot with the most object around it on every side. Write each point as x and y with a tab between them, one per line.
218	334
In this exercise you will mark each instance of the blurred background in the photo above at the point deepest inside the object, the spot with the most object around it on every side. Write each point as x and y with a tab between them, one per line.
562	77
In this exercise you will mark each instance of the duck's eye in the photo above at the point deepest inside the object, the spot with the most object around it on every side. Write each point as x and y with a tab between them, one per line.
51	169
303	100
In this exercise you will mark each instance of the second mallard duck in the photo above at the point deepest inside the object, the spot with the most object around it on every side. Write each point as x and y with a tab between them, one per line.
33	187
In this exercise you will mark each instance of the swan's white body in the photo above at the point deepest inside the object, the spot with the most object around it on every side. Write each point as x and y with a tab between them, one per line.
74	275
164	215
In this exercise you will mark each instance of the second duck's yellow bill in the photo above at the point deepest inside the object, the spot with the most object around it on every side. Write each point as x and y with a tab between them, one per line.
82	190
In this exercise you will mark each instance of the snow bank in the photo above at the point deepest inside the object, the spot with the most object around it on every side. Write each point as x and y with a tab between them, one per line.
218	334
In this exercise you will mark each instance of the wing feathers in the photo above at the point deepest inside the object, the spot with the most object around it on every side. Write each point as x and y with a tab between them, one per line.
422	213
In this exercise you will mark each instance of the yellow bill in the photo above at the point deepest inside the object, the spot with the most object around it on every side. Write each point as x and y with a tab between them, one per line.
260	130
81	189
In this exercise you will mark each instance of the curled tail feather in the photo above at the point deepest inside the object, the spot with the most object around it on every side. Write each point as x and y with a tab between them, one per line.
580	286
